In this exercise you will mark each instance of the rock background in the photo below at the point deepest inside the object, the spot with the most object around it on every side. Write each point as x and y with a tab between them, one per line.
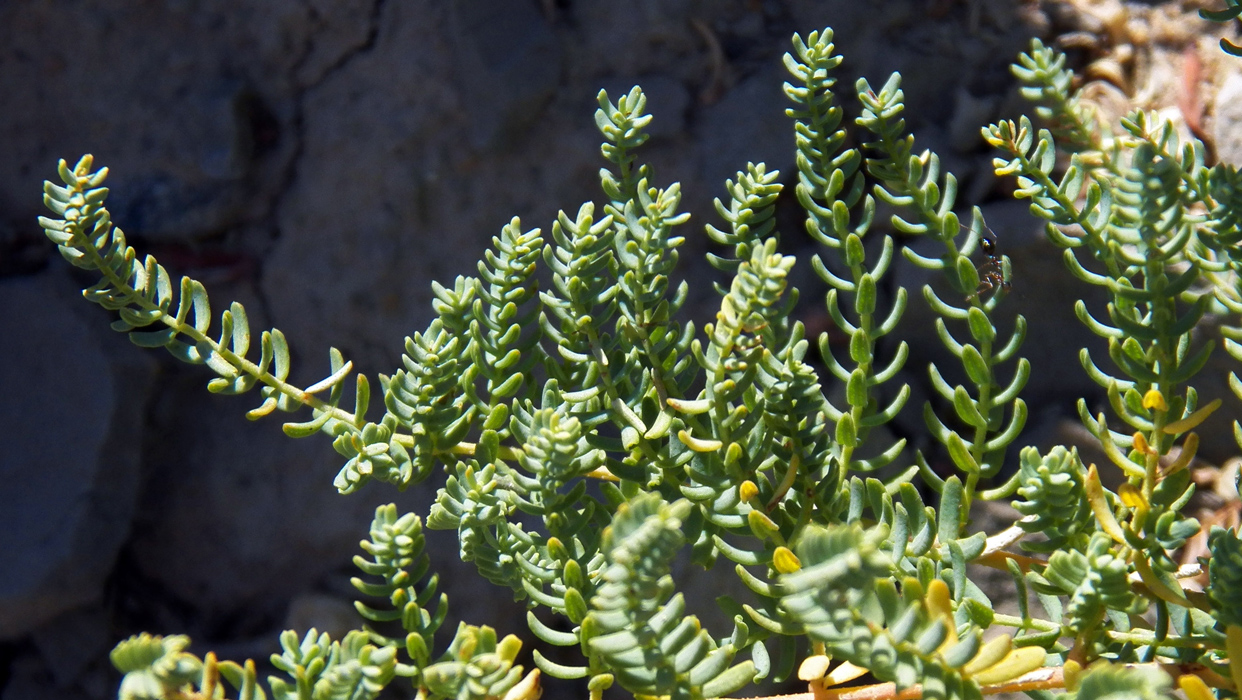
322	161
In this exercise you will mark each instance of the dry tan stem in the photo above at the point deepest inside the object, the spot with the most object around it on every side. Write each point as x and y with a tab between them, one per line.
1047	678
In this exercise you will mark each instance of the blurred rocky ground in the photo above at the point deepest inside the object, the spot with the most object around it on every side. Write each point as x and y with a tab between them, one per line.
322	161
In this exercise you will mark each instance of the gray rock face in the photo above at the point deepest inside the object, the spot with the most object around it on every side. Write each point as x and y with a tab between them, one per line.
258	506
72	416
400	128
191	168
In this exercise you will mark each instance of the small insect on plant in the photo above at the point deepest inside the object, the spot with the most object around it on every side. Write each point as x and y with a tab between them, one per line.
994	273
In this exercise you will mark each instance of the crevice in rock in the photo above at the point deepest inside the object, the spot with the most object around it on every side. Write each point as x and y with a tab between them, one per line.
297	132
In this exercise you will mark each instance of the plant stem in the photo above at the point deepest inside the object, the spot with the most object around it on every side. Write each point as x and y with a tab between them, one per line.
1046	678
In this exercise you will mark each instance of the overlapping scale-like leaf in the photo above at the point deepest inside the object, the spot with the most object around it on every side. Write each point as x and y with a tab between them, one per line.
639	626
395	571
1053	500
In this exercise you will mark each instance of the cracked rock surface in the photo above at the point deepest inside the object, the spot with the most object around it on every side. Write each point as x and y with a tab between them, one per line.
322	161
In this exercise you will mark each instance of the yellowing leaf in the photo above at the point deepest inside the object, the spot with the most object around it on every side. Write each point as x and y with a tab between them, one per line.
1194	688
814	667
785	561
991	654
1193	420
1190	446
747	490
1072	673
527	689
1131	496
1233	645
1015	663
940	604
844	673
697	444
1099	506
939	600
761	524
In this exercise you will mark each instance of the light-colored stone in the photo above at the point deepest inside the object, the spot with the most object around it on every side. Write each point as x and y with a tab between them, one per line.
1227	121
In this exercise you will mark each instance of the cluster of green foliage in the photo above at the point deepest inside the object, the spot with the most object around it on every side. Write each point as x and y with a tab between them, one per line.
587	436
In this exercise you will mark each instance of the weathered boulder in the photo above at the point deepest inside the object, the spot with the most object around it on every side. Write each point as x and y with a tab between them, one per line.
72	407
